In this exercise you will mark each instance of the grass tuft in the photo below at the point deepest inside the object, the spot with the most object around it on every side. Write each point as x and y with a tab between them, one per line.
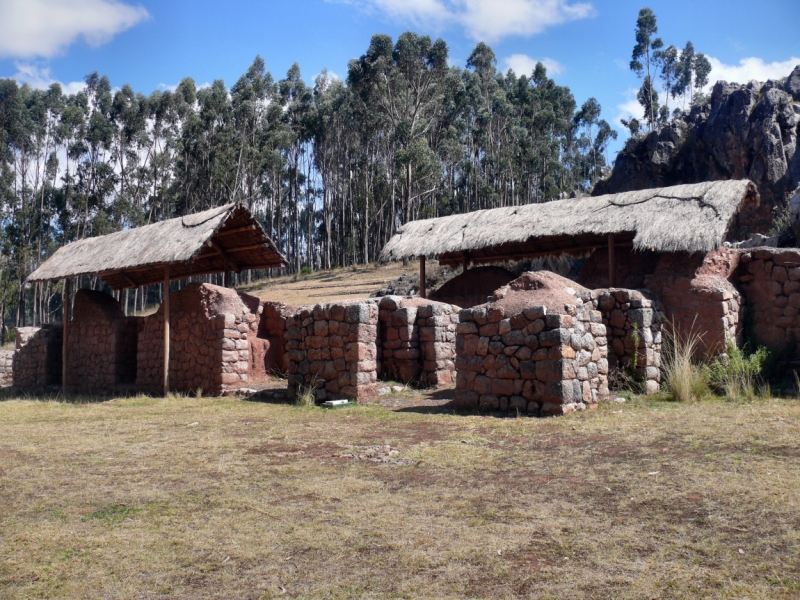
685	377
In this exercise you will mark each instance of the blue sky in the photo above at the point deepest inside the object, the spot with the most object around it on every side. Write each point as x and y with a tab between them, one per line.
586	43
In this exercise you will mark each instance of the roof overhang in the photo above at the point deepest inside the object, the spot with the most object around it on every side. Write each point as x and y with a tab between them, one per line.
227	238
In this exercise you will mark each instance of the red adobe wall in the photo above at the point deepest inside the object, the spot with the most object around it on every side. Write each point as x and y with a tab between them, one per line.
101	346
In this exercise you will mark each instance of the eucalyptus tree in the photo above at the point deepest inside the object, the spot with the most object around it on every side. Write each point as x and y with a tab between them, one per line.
645	59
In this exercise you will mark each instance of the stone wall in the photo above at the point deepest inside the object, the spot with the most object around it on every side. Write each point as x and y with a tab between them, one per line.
207	354
6	368
101	347
211	331
531	361
770	280
272	329
633	331
333	349
37	358
417	340
698	294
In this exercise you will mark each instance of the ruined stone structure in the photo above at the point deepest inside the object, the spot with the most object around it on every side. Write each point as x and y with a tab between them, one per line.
537	348
696	292
770	280
417	340
214	342
6	368
101	352
332	349
634	332
219	342
37	359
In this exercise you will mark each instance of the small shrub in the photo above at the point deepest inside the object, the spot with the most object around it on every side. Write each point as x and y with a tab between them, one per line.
306	271
738	374
685	378
783	227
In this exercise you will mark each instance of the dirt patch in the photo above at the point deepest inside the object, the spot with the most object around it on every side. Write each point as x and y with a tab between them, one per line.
538	288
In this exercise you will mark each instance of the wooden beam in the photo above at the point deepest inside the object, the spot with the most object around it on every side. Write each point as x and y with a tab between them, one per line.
65	337
422	292
231	265
166	331
127	279
235	230
243	248
612	263
455	260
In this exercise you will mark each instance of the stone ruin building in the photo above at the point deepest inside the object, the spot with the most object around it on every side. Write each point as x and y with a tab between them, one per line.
536	344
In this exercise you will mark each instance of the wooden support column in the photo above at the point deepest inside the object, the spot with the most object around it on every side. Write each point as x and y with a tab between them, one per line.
612	263
465	261
422	293
166	331
65	336
227	279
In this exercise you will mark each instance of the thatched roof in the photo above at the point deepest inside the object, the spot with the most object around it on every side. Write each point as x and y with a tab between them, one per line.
687	218
227	238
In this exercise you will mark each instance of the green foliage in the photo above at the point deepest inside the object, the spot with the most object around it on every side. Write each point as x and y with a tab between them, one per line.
738	374
783	228
681	72
110	514
636	339
330	171
306	271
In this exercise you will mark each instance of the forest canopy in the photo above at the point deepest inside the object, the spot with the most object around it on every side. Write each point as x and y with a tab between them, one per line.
330	170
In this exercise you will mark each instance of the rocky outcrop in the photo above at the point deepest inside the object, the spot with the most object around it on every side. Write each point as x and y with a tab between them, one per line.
744	131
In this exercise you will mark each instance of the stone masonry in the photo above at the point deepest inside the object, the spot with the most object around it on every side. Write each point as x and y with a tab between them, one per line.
6	368
770	279
633	326
332	348
37	358
531	361
101	348
417	340
213	338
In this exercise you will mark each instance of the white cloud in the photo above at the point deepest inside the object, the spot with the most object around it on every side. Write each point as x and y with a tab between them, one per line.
485	20
492	20
39	78
629	108
43	28
522	64
749	69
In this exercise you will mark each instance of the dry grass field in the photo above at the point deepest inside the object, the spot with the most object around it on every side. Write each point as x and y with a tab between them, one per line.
346	283
233	498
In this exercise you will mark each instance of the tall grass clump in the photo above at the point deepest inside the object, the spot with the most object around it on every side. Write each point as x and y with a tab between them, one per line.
739	374
307	394
685	377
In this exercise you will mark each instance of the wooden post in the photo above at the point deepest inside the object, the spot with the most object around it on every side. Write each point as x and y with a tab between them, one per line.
465	262
422	293
227	278
65	335
612	263
166	331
